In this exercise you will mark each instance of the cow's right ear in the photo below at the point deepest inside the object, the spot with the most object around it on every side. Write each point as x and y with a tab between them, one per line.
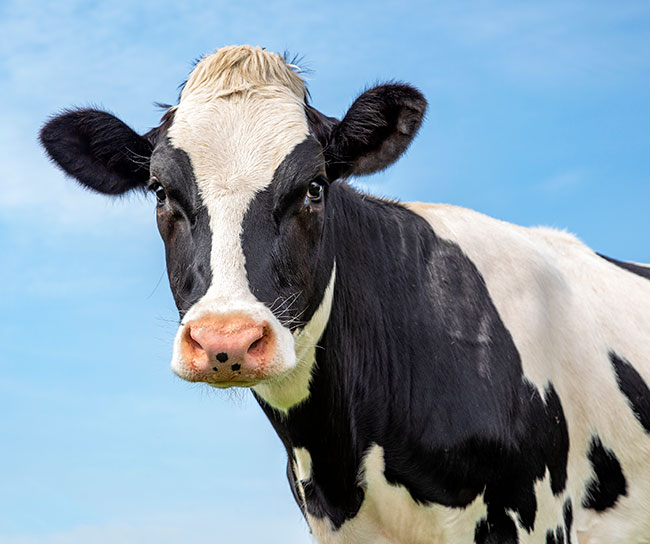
375	131
98	150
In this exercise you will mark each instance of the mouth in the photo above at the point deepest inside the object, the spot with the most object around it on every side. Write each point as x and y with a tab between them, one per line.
228	385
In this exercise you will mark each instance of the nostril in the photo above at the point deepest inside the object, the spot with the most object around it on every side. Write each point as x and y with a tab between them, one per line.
259	345
194	344
255	344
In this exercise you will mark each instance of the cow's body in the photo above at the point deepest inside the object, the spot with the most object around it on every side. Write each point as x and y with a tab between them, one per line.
435	375
565	309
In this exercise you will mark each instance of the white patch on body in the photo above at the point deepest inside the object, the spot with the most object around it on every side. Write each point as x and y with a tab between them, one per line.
549	515
388	514
302	469
566	308
290	389
240	114
303	464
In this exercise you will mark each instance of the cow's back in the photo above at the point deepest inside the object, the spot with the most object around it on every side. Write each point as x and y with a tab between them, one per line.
581	323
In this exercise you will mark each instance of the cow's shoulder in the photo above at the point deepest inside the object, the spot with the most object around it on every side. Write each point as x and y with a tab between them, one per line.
492	241
580	322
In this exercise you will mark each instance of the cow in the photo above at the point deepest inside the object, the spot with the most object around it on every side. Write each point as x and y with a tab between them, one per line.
435	375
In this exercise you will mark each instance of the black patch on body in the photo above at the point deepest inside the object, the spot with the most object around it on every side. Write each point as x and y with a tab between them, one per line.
293	484
184	226
555	537
567	512
497	528
608	482
634	388
415	357
643	271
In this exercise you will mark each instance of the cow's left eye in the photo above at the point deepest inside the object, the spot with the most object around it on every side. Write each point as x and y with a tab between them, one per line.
315	192
156	187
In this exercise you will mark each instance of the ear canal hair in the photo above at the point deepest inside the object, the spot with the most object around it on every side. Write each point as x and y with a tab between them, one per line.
98	150
375	132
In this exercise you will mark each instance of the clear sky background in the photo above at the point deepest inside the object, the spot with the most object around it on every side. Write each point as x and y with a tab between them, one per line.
538	114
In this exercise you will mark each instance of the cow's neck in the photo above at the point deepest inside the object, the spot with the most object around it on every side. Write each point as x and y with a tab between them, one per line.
410	351
381	252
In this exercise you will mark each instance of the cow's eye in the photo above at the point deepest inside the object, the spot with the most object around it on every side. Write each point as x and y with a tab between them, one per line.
156	187
315	192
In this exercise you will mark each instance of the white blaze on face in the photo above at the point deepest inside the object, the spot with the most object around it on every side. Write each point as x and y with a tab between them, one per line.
240	114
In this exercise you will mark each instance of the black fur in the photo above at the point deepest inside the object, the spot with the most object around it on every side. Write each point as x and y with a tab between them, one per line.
568	519
287	267
183	223
320	125
643	271
98	150
608	482
497	528
403	363
293	484
634	388
555	537
375	132
415	356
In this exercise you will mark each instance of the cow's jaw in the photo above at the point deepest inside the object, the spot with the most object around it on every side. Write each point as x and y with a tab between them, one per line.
292	388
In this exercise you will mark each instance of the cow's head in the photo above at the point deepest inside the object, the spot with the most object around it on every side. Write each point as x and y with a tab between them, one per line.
241	169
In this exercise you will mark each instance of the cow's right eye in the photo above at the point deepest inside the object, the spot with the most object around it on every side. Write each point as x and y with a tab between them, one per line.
156	187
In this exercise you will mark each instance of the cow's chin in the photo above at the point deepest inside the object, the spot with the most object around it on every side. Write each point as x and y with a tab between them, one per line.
243	347
273	373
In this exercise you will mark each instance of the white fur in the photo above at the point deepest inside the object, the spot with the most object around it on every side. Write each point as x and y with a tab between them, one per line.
388	514
302	469
566	308
239	116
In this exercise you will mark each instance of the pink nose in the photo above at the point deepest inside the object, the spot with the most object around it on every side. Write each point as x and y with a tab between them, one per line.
227	348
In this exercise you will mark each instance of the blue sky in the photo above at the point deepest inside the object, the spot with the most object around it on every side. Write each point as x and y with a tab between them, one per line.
538	115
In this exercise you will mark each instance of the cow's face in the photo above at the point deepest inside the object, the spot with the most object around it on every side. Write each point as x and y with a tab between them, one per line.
241	170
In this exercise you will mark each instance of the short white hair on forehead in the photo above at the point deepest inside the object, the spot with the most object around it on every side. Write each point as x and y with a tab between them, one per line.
239	68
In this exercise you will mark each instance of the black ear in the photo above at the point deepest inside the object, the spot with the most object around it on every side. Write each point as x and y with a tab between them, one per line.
376	130
98	149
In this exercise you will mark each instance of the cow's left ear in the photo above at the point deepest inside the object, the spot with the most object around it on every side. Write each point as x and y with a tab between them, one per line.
99	150
375	131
